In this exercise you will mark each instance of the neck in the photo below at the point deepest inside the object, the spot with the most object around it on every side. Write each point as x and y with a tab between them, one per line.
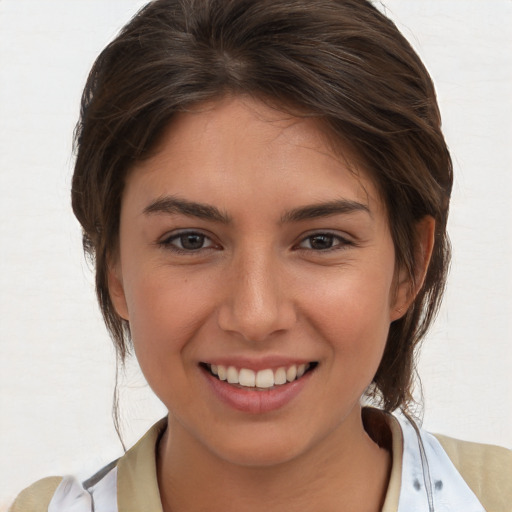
346	471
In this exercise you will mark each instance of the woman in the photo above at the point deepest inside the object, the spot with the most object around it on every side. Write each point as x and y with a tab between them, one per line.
264	188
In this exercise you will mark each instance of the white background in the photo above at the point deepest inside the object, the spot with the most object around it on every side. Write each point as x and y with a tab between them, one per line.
56	362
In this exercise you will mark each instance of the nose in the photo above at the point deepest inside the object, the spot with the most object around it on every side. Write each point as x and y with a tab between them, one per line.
256	300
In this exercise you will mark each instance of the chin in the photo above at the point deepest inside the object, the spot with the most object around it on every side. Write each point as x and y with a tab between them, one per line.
263	447
264	455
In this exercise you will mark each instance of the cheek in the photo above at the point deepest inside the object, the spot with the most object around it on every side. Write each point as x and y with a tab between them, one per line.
352	313
165	313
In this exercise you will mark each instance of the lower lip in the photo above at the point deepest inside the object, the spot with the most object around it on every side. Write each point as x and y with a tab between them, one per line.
256	401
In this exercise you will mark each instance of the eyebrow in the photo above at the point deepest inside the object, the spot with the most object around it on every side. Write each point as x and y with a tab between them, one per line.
171	204
319	210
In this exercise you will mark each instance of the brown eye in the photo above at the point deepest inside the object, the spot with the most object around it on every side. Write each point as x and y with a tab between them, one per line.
323	242
190	241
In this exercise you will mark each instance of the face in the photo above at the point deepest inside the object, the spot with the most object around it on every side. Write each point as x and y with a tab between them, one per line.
256	270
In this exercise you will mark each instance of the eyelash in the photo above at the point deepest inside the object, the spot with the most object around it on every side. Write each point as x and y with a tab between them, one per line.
339	242
167	242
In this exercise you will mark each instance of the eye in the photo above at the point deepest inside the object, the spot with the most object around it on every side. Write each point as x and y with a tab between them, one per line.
323	242
188	241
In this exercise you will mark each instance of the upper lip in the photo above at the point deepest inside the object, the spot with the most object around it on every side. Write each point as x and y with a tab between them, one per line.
262	363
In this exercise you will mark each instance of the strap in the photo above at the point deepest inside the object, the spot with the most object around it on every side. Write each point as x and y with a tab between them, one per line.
430	481
72	496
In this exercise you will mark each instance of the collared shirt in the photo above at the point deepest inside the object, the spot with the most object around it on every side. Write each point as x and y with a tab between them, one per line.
423	477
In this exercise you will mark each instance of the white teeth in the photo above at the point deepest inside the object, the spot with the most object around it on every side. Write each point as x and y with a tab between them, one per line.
232	375
247	378
265	379
222	372
280	376
291	373
262	379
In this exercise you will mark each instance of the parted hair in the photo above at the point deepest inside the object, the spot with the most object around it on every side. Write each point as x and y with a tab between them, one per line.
341	61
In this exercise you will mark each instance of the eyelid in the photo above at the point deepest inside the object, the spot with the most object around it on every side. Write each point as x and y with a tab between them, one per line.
168	238
344	240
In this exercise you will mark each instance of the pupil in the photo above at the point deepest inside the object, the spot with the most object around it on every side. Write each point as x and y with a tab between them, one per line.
322	242
192	241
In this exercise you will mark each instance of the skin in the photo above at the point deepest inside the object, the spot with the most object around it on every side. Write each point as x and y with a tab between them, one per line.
263	282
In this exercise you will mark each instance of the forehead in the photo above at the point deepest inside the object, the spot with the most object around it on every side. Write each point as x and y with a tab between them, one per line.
241	145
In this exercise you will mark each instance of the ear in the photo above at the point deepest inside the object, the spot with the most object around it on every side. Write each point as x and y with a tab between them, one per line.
116	290
406	289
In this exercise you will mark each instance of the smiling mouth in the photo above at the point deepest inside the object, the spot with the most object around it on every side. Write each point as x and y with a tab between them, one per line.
259	380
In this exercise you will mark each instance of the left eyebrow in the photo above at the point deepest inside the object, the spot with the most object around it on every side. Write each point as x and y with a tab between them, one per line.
319	210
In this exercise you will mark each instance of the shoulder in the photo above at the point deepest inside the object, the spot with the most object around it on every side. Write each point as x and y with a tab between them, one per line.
36	497
487	470
134	475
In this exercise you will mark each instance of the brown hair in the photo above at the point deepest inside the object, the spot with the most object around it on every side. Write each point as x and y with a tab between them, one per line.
339	60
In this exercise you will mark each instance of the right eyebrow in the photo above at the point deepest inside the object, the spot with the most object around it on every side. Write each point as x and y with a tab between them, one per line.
172	204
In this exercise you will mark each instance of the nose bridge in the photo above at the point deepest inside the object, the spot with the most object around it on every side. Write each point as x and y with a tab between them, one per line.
256	304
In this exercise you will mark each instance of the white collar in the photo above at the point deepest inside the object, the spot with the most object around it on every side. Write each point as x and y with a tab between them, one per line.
71	496
430	481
